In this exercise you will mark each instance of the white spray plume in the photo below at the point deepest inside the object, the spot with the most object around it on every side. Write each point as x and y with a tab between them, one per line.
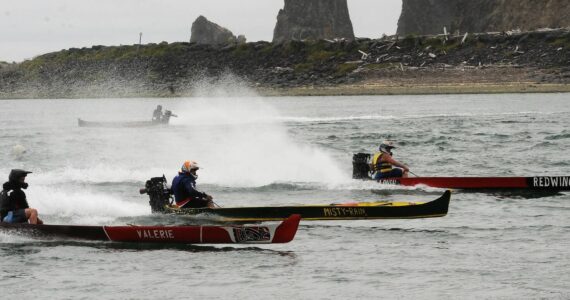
240	140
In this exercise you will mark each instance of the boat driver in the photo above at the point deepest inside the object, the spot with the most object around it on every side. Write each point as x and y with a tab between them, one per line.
184	188
14	206
157	114
166	116
383	163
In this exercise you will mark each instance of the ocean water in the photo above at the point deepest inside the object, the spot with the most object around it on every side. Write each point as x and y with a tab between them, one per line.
293	150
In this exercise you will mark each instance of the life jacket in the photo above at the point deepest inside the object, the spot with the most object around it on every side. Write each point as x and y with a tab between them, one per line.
11	200
378	165
4	204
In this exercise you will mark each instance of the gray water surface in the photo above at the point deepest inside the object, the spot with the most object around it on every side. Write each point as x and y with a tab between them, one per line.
298	150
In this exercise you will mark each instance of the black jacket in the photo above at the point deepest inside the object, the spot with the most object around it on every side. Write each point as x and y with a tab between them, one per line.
12	198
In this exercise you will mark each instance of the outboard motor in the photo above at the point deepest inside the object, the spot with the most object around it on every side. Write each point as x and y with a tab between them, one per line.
159	193
361	166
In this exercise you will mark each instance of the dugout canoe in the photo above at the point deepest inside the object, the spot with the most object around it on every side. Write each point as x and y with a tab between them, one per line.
341	211
541	183
361	170
83	123
283	232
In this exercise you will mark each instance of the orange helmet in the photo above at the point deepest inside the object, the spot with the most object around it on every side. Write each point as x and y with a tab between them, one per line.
188	166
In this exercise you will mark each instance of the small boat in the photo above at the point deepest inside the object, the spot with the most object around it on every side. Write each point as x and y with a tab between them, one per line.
160	201
161	121
248	234
83	123
342	211
361	170
540	183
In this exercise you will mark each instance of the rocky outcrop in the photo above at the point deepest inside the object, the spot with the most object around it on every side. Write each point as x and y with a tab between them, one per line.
313	20
164	69
430	16
206	32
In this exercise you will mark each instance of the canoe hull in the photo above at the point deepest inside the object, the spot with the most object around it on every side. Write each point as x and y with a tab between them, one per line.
83	123
487	183
361	170
259	234
386	210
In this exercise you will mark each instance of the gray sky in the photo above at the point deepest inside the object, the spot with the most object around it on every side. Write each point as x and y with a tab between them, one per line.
32	27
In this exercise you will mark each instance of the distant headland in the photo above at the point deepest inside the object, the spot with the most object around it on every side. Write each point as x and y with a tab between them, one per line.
314	52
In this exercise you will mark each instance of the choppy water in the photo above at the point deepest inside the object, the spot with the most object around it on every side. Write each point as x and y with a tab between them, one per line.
268	151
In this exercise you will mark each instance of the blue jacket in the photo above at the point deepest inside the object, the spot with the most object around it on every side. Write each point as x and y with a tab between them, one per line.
184	187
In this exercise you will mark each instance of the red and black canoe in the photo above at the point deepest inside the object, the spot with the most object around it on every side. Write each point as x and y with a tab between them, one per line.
283	232
361	170
544	183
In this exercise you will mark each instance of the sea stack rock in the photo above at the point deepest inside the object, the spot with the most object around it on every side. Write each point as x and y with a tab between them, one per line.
241	39
430	16
206	32
313	20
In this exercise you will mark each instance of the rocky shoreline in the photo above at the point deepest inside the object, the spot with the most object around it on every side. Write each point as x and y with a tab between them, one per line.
537	61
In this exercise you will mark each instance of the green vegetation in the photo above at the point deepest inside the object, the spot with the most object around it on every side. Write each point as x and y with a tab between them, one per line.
103	53
345	68
315	46
319	56
321	51
34	64
267	49
411	40
293	47
307	55
158	66
154	50
450	45
314	51
438	44
303	67
561	42
242	50
480	45
378	66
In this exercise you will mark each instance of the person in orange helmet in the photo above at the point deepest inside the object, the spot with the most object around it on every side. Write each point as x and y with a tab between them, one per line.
184	188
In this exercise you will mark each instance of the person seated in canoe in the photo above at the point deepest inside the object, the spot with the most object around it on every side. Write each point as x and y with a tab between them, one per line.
166	117
157	114
184	188
14	206
383	163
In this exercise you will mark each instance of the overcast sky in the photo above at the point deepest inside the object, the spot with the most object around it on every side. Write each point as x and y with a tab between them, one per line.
32	27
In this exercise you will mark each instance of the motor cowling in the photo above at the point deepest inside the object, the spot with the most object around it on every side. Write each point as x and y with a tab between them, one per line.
361	166
159	193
